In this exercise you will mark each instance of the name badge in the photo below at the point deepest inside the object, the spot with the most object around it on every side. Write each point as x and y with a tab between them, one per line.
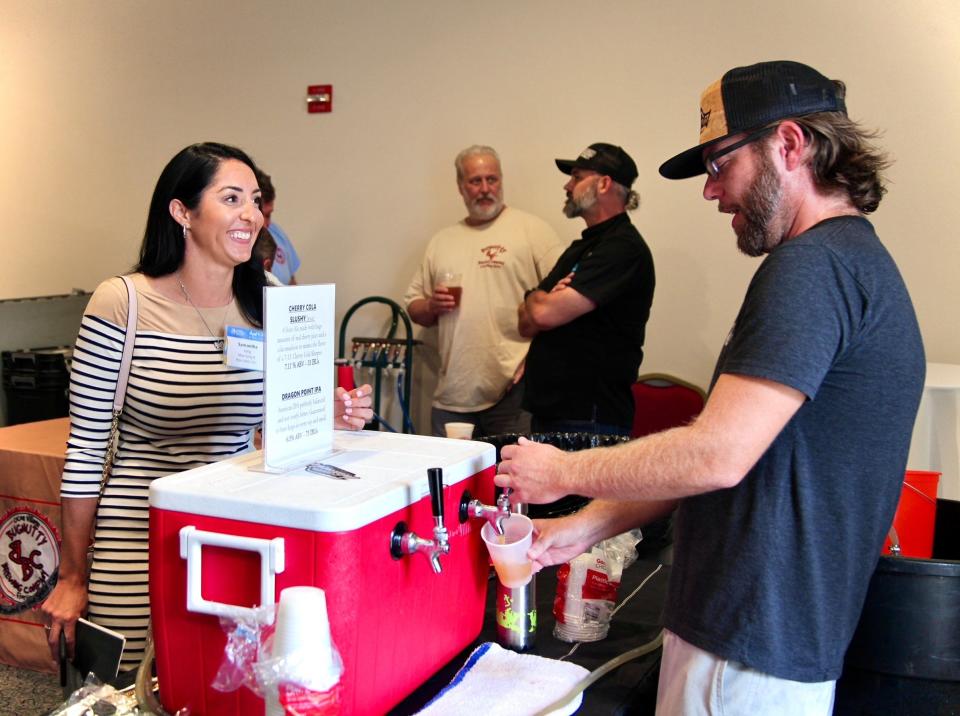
244	348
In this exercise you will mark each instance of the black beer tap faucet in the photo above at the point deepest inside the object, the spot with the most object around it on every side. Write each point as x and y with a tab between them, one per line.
403	542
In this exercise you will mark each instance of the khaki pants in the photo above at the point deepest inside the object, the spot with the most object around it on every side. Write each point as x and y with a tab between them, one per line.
694	682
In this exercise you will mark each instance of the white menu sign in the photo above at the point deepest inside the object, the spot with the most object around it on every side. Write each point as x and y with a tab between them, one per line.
298	374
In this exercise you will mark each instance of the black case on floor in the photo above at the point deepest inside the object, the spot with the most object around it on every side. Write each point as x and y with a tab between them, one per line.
36	383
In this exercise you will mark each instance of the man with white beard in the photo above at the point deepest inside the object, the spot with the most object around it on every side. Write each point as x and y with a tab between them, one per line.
497	253
588	316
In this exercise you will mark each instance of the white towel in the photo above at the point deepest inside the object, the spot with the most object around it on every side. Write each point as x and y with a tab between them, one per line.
499	682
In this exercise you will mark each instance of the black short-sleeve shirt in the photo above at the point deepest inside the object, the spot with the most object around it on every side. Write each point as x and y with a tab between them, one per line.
583	370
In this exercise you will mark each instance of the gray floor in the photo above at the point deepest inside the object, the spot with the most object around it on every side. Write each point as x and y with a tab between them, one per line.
28	693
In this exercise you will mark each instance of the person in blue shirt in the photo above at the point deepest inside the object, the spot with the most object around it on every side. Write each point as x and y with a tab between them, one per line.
285	260
784	487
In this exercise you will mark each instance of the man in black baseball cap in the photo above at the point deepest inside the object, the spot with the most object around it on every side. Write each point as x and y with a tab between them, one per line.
603	158
588	316
807	427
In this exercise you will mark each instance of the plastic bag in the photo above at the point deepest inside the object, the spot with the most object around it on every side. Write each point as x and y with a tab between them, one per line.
95	698
587	588
290	682
247	632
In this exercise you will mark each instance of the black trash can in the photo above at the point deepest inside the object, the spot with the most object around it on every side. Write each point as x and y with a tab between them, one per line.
905	655
569	442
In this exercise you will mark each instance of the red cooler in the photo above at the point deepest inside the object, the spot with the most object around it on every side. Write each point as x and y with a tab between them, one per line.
227	535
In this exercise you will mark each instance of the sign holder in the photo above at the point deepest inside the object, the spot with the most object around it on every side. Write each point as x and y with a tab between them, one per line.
298	392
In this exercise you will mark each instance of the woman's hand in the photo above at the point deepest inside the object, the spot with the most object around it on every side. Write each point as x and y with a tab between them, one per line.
352	410
61	609
68	600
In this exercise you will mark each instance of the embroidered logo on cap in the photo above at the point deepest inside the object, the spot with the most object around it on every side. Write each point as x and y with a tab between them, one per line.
704	119
588	153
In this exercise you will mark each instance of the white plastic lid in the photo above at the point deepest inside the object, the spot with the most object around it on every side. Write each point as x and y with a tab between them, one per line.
391	469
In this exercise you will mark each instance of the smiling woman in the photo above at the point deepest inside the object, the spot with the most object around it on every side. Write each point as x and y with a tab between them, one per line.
203	219
184	407
222	226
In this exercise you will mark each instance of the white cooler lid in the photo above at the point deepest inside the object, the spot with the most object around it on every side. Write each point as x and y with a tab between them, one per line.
392	469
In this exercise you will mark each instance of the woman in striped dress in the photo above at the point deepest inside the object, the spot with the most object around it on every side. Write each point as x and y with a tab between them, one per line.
184	407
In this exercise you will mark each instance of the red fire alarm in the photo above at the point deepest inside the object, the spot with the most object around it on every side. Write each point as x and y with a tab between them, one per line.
319	98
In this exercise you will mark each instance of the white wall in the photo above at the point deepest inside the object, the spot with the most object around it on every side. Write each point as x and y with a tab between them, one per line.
96	95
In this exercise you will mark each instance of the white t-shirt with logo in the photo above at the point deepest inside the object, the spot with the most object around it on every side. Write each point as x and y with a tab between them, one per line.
480	347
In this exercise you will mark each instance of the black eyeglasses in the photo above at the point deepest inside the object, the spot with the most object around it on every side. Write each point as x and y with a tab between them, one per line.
710	161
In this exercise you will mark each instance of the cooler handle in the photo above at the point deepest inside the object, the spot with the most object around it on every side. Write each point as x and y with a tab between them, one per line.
271	564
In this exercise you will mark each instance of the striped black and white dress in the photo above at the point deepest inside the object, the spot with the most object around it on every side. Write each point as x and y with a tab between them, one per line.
184	408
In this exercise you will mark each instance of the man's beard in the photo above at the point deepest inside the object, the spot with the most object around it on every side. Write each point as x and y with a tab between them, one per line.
761	232
482	211
576	205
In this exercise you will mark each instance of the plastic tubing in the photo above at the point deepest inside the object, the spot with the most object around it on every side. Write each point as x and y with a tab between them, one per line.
403	406
615	662
143	687
601	671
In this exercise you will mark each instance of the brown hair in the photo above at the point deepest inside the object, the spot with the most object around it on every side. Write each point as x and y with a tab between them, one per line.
844	157
267	193
265	247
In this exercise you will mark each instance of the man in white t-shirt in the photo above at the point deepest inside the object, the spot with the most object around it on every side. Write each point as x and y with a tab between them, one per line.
496	253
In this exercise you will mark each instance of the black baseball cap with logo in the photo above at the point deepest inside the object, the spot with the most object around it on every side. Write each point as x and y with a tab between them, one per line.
607	159
749	98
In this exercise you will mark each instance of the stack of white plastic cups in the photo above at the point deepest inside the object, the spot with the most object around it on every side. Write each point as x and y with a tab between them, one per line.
579	618
309	678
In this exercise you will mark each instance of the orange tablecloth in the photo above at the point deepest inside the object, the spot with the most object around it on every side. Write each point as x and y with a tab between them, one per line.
31	462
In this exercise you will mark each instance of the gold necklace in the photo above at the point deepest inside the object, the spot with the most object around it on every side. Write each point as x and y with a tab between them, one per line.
217	341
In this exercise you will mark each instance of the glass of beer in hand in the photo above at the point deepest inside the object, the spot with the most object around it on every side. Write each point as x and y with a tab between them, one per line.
453	282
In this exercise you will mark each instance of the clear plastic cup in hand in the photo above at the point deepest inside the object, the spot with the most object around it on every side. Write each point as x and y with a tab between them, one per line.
453	282
508	551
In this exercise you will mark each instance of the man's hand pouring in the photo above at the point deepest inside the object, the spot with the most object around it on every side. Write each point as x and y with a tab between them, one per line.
533	471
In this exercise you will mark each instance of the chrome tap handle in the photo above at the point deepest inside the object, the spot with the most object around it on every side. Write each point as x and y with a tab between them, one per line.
503	501
495	515
404	542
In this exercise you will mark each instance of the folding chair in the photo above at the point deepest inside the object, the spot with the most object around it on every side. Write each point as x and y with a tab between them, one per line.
664	401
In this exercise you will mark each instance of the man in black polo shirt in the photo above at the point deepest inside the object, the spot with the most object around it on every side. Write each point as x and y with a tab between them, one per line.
587	317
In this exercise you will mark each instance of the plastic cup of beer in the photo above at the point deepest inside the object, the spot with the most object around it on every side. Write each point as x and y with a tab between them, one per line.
453	282
508	551
459	431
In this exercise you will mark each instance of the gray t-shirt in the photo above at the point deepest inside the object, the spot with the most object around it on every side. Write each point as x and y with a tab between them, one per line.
773	572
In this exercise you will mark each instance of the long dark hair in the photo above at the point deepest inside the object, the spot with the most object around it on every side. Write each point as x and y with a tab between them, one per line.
844	157
185	177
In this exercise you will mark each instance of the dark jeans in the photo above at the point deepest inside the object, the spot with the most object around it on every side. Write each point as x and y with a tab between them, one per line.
506	416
